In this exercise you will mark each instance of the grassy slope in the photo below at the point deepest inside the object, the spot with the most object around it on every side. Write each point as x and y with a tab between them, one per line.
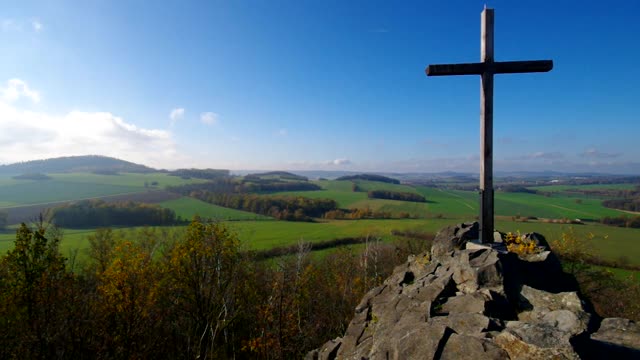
125	179
265	234
78	186
339	191
510	204
456	206
560	188
187	207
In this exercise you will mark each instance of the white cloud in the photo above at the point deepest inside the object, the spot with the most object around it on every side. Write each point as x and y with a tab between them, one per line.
339	162
37	25
282	132
209	118
175	115
27	135
17	89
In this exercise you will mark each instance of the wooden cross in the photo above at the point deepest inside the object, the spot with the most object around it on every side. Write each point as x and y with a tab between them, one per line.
486	69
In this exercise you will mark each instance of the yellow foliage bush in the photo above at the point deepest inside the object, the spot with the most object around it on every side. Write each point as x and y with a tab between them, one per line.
517	244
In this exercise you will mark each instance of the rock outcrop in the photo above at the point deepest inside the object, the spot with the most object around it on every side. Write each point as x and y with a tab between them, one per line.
478	302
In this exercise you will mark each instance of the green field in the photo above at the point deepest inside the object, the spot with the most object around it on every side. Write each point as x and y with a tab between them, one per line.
454	203
125	179
365	186
561	188
443	207
55	190
509	204
611	243
187	207
75	186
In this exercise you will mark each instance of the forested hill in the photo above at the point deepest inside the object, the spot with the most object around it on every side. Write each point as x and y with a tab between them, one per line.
88	163
370	177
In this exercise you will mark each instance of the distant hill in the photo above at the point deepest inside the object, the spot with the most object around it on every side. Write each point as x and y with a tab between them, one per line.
207	174
370	177
283	175
88	163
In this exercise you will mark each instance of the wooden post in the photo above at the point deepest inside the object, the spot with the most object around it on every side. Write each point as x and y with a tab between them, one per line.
486	68
486	129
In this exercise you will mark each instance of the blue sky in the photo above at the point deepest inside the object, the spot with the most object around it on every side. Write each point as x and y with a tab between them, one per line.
334	85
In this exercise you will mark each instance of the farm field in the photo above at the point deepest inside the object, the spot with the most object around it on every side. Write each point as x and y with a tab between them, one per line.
561	188
76	186
187	208
453	203
125	179
611	243
443	208
557	207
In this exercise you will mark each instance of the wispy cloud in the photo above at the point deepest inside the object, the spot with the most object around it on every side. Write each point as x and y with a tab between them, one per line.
336	164
10	25
209	118
595	154
36	25
175	115
17	89
20	25
538	155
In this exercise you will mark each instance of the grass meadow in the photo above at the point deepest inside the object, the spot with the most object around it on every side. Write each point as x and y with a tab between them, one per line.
187	208
76	186
443	208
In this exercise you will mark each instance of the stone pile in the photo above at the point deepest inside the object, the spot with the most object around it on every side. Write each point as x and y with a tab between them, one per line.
468	301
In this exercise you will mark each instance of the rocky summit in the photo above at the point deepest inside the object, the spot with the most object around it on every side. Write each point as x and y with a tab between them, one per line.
465	300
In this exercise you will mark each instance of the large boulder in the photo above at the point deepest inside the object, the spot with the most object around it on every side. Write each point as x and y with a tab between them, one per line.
454	238
477	303
617	338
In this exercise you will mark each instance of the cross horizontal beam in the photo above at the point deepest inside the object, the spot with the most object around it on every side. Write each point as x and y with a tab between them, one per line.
499	67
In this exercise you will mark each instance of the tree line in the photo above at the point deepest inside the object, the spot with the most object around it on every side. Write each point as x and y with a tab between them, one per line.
395	195
207	174
192	294
98	213
622	221
628	204
268	185
292	208
232	185
370	177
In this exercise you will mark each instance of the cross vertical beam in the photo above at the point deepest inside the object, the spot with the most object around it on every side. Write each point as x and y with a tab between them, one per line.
487	68
486	128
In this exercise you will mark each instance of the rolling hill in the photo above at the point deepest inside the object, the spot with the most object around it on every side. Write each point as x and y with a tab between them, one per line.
69	164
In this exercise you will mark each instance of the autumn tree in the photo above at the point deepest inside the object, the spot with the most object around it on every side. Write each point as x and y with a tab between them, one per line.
32	294
127	299
205	282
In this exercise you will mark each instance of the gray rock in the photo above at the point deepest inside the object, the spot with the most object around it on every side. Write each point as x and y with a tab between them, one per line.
473	269
468	347
540	335
453	238
328	351
465	323
467	303
517	349
618	336
461	304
